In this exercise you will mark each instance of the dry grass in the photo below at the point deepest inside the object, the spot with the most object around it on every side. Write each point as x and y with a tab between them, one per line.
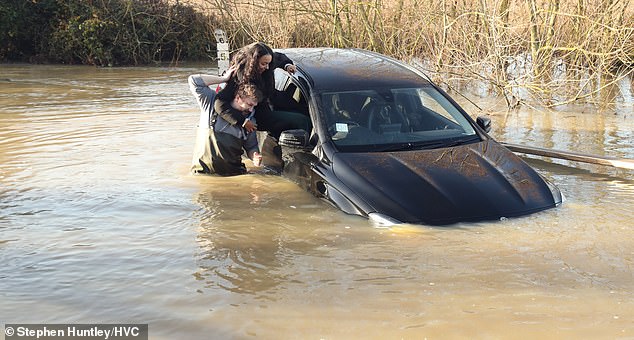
559	51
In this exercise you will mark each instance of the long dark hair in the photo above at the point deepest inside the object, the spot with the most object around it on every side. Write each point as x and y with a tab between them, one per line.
247	61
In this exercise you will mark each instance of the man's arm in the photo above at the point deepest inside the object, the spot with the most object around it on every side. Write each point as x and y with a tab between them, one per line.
199	87
197	81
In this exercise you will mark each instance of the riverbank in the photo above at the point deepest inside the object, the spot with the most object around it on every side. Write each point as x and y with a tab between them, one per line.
531	53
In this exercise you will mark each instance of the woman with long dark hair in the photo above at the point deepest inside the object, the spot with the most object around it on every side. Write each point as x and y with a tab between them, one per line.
255	64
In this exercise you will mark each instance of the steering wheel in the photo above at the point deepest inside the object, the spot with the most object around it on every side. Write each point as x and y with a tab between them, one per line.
380	113
375	113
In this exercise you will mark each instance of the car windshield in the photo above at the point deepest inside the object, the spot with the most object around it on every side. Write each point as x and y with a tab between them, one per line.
394	119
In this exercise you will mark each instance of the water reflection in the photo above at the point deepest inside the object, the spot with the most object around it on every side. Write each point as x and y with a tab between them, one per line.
626	92
249	233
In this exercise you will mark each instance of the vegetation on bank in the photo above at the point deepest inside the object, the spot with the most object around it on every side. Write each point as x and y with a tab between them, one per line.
548	51
102	32
552	51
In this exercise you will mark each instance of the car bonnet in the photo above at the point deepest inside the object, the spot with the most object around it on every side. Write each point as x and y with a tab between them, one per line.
478	181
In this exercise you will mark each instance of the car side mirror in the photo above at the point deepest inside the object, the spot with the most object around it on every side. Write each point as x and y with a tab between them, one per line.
297	139
484	123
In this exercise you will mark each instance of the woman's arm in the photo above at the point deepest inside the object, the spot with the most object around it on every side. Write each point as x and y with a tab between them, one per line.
282	61
222	105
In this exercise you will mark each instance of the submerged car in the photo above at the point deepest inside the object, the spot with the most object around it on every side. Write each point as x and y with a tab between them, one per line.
382	141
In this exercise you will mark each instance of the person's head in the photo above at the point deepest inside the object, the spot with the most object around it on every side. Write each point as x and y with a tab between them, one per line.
247	97
253	63
254	59
261	55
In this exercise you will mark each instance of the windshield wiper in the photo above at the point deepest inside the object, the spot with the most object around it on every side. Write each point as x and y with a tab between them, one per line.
411	145
428	144
397	147
461	141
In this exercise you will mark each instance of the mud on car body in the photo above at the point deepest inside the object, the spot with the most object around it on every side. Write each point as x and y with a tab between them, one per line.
382	141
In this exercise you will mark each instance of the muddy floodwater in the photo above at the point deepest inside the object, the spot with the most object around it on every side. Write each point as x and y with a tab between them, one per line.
101	222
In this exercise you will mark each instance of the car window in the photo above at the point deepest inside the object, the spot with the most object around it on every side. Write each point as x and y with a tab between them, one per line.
377	119
432	101
288	96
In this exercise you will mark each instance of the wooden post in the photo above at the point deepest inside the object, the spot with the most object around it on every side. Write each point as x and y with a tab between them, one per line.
223	51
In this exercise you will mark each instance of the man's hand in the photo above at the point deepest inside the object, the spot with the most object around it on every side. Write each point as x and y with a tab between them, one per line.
227	75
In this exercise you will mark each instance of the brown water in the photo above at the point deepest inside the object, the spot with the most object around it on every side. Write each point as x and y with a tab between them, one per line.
100	222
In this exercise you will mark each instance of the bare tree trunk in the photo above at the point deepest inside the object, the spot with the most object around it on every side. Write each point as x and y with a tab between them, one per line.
534	42
336	24
554	12
443	42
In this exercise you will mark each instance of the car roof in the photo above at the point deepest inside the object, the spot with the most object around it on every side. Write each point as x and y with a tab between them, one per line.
343	69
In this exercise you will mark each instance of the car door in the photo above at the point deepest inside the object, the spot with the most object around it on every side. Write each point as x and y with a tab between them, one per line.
290	102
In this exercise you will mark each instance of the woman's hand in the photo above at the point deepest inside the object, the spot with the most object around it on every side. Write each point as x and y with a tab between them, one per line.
249	126
290	68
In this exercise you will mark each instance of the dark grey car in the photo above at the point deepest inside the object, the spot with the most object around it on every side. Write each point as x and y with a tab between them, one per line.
384	142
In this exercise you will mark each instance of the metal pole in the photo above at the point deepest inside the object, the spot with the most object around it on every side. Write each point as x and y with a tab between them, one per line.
572	156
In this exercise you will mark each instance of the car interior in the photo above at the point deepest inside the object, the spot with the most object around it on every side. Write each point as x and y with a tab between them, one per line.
391	116
289	104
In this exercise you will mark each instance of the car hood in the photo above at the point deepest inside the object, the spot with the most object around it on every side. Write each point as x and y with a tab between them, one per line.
478	181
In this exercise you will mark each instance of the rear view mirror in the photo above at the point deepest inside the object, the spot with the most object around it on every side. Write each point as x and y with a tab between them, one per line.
484	123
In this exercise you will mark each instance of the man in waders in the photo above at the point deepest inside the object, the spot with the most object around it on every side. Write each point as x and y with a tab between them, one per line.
219	144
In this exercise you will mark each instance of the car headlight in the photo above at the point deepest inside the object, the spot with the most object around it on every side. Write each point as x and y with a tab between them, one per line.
381	220
558	196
